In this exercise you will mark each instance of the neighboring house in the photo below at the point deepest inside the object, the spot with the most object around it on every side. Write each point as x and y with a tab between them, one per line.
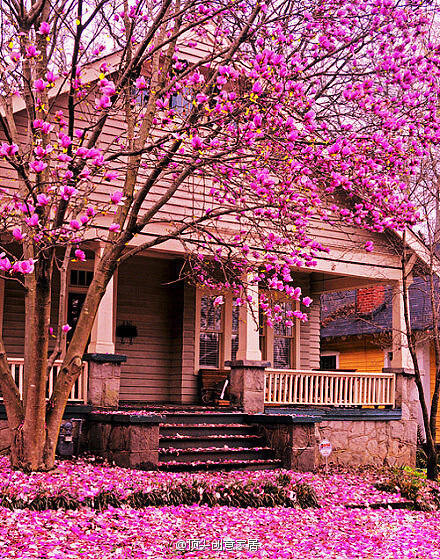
356	330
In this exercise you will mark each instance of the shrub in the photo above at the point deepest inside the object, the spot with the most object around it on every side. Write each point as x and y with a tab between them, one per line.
235	494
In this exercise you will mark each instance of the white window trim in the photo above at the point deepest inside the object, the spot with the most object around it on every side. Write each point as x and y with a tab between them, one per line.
226	333
332	354
295	349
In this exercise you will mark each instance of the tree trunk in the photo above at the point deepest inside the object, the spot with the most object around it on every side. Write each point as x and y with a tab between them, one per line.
431	461
72	364
29	441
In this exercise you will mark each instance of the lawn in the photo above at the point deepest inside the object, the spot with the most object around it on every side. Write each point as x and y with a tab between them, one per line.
346	523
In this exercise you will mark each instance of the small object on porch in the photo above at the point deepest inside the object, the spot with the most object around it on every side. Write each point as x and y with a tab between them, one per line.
214	384
126	330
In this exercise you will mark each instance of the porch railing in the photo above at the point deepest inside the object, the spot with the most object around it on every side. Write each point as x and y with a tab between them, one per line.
79	390
329	388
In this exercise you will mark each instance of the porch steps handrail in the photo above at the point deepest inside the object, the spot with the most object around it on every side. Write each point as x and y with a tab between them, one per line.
329	388
79	389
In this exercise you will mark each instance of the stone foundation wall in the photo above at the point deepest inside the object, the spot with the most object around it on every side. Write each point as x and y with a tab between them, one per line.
128	442
295	444
377	443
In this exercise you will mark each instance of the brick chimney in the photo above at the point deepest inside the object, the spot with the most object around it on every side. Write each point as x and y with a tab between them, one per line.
369	298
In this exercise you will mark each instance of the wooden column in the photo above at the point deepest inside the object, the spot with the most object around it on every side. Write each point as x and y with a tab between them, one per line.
401	355
248	329
102	337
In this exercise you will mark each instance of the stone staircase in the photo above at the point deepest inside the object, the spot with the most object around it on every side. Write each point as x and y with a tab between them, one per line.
191	441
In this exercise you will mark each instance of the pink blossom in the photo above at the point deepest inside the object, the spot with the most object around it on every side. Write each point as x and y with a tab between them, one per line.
80	255
5	264
40	85
116	196
38	166
369	246
107	87
141	83
17	234
65	141
32	52
110	175
44	28
8	150
218	301
75	224
51	77
15	56
24	266
114	227
43	199
306	301
33	220
103	102
196	142
65	328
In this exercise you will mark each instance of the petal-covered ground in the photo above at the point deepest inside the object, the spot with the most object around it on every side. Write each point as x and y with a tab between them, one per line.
83	479
333	531
196	532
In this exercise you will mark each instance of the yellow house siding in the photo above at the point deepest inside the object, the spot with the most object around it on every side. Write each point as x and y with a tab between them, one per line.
361	355
432	379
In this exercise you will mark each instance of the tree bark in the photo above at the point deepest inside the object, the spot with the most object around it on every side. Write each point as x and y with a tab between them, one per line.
29	441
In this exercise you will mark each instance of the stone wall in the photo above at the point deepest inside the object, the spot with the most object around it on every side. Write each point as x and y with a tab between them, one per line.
128	441
375	443
294	443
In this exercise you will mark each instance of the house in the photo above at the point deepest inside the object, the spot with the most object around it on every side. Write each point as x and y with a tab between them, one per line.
356	331
154	332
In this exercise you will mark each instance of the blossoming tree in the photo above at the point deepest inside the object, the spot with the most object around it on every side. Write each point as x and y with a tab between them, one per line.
282	113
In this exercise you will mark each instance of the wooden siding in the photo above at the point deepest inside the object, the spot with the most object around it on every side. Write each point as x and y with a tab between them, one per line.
144	297
310	336
183	382
432	383
361	355
14	315
13	319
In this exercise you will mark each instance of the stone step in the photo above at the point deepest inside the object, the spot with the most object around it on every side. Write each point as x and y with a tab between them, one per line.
220	465
204	418
203	454
206	429
209	441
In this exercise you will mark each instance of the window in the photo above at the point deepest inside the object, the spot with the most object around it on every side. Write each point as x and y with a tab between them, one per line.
181	102
79	281
283	338
234	337
218	327
211	330
81	278
329	361
280	345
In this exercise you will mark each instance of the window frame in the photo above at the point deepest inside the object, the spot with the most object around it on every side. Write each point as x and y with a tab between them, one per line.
268	338
87	266
330	353
225	345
